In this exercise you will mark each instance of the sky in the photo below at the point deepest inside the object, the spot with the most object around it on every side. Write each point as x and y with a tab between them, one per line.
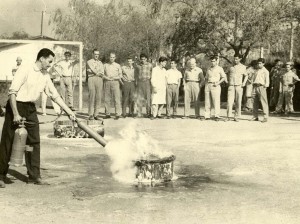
17	15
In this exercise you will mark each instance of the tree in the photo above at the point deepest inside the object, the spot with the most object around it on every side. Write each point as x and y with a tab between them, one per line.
16	35
116	26
221	26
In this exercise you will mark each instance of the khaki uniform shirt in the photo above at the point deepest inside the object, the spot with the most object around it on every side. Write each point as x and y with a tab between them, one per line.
215	74
236	75
262	77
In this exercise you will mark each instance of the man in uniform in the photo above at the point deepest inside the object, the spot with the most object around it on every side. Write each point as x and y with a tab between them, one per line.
66	71
237	80
173	82
94	75
275	76
260	82
286	89
128	88
29	82
112	78
215	75
143	77
193	80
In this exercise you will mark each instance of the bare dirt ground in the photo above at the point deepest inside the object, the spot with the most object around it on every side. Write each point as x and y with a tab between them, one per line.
228	172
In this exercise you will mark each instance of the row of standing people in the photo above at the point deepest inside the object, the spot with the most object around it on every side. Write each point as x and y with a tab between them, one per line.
143	84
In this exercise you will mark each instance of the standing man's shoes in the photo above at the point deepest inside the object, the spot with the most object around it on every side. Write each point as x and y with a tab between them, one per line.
107	116
37	181
185	117
264	120
236	119
2	184
254	119
152	118
117	117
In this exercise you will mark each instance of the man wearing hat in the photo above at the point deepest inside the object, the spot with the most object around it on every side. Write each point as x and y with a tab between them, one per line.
66	72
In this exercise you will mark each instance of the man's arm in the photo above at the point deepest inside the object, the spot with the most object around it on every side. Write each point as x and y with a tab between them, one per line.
13	104
51	91
202	79
267	77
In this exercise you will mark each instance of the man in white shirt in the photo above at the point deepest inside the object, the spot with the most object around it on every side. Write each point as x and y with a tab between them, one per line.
237	80
159	86
215	75
94	73
15	68
193	80
29	82
66	71
261	82
173	82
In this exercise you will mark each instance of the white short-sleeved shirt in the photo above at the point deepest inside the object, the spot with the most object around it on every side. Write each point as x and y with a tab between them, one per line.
173	76
29	82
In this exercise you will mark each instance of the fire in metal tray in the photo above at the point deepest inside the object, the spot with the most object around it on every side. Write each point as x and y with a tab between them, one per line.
154	169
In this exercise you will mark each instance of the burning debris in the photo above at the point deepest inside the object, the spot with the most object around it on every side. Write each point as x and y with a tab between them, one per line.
136	157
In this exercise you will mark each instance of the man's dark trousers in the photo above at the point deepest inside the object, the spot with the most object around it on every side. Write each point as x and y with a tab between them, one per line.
128	90
26	110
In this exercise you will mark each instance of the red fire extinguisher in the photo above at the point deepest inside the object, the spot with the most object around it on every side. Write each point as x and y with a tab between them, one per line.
19	145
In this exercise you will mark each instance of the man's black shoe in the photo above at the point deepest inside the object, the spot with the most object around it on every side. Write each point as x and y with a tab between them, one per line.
37	181
264	120
117	117
152	118
91	118
254	119
107	117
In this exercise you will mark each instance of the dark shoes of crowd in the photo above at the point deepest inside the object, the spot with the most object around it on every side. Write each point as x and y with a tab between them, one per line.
37	181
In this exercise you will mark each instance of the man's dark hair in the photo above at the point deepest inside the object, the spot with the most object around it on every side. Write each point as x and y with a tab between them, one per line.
262	60
174	60
129	57
253	63
237	56
161	59
95	49
67	53
276	60
45	52
142	55
214	57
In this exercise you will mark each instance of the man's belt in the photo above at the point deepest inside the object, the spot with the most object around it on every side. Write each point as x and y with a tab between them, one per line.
144	80
191	81
173	84
128	81
257	84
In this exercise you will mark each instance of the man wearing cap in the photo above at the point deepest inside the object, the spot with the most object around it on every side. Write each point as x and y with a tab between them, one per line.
193	80
15	68
94	73
66	72
173	82
260	82
286	89
128	87
112	79
215	75
237	80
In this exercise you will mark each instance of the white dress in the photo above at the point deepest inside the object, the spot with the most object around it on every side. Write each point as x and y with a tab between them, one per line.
159	83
